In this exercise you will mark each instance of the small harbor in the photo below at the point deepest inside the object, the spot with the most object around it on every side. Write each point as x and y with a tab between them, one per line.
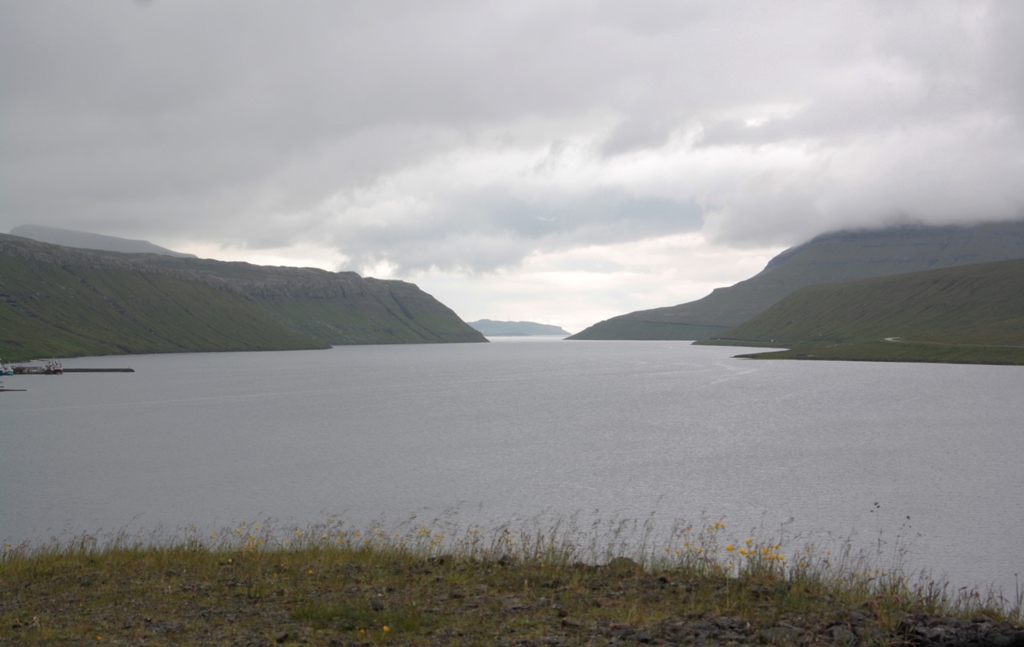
50	367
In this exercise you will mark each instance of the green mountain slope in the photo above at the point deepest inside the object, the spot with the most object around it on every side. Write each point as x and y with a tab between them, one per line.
962	312
839	256
65	302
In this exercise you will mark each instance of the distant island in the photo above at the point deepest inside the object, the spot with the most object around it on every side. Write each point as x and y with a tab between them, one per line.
829	258
60	301
516	329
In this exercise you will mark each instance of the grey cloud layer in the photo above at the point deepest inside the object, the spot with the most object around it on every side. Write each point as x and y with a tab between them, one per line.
249	123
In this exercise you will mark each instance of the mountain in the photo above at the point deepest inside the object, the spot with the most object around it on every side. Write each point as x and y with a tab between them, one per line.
60	301
86	240
516	328
833	257
968	311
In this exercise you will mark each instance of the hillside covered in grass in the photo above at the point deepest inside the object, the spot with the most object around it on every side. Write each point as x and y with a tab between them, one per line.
973	313
59	301
829	258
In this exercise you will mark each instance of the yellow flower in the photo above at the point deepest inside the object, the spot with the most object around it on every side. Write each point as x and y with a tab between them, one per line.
729	548
310	572
387	628
748	540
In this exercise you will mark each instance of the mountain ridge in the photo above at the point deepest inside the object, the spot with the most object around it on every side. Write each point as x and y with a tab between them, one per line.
832	257
67	301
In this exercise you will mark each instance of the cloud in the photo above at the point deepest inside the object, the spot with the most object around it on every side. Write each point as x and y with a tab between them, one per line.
470	138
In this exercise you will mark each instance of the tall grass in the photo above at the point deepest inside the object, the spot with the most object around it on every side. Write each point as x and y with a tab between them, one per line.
799	572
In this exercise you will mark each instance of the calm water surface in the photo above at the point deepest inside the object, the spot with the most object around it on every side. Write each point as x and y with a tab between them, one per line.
515	429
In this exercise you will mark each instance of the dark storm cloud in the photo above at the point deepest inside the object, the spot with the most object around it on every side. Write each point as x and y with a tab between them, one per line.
469	135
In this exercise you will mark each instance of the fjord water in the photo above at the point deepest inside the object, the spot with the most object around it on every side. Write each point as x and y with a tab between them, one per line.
926	454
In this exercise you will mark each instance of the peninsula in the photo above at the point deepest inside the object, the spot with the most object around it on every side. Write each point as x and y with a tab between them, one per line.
968	314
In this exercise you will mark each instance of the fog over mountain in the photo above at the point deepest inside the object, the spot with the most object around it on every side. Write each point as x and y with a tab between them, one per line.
85	240
555	162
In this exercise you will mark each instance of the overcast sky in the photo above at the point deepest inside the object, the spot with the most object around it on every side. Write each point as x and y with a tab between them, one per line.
555	161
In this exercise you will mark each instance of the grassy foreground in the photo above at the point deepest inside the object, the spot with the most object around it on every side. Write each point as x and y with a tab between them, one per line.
331	585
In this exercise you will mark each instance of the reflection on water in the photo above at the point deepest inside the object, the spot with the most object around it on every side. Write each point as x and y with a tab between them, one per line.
520	428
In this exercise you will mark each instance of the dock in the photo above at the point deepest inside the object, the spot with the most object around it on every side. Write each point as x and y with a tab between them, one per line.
99	370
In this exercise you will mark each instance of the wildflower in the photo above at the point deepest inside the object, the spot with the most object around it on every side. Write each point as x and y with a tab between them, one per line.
748	540
729	548
310	572
386	628
213	536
